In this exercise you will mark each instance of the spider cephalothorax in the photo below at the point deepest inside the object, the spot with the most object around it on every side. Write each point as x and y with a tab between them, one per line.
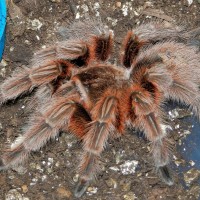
80	92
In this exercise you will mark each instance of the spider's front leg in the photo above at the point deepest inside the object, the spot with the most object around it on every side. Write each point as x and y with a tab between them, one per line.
56	63
44	126
27	79
104	117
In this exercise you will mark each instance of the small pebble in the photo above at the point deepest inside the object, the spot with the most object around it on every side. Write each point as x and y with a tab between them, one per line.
3	63
189	2
114	168
191	176
44	177
12	49
49	170
27	42
129	167
24	188
111	183
32	165
75	178
92	190
192	163
179	162
13	195
118	4
130	196
57	164
35	24
63	192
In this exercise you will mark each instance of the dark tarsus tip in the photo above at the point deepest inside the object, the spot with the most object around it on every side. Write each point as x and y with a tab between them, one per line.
165	175
2	166
81	188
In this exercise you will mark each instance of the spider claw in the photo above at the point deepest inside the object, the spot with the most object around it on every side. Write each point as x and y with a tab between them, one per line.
165	175
81	187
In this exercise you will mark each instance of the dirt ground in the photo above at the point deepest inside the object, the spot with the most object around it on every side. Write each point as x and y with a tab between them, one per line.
50	174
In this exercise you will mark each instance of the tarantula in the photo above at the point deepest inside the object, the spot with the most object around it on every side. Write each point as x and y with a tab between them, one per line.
80	92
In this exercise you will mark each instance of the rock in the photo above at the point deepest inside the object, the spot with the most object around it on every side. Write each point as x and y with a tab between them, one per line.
189	2
24	188
192	163
130	196
119	155
179	113
92	190
129	167
75	178
35	24
118	4
111	183
3	63
63	192
191	176
13	195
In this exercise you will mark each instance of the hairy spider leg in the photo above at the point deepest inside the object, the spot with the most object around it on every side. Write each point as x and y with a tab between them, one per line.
146	100
148	119
130	49
29	78
177	74
44	126
102	46
103	122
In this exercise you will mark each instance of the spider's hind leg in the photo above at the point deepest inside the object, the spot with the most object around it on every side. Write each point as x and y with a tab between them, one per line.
161	147
149	119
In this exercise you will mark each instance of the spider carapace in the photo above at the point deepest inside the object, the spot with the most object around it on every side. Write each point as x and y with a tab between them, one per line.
81	92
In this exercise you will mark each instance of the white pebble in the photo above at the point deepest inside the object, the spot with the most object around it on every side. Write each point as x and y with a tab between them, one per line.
129	167
13	195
